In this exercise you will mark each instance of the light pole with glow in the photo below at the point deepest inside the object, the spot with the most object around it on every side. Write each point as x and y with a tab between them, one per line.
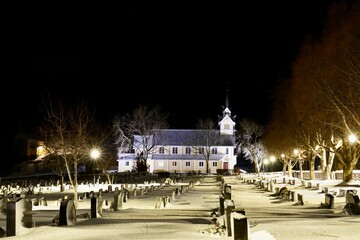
95	154
265	162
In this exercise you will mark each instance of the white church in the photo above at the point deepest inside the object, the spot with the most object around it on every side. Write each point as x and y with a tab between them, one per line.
186	151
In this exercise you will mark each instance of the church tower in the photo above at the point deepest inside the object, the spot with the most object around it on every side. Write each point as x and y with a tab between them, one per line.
227	122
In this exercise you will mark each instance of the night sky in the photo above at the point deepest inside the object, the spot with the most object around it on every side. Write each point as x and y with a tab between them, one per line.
183	57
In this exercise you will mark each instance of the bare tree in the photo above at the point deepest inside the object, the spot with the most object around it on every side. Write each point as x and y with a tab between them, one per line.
319	108
137	130
207	138
250	143
67	133
102	140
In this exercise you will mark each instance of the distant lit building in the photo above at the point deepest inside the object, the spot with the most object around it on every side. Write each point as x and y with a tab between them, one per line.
184	150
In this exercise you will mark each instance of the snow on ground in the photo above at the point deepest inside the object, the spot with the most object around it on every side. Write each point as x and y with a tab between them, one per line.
189	216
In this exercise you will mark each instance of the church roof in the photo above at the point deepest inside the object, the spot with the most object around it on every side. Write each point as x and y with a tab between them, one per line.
213	157
190	137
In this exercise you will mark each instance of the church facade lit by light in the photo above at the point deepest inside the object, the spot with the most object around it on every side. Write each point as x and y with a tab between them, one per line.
189	150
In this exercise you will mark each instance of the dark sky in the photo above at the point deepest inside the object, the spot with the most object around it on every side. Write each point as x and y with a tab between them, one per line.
183	57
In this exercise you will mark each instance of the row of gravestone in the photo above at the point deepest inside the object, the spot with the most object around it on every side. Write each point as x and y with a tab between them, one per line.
235	222
19	216
352	203
162	201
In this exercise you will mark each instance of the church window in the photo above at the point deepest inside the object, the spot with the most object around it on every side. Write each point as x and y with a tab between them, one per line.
201	150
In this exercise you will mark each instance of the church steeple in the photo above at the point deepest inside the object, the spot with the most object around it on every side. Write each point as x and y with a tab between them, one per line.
227	98
226	123
226	110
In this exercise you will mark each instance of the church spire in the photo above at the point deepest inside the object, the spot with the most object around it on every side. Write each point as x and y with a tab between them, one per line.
226	123
227	98
227	110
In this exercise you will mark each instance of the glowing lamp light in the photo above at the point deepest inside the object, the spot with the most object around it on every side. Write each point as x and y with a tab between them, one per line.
95	154
352	138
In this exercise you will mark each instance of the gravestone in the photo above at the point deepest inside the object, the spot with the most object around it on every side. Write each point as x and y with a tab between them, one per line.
157	202
227	192
352	197
230	206
222	207
329	201
300	199
239	226
164	201
67	214
94	207
18	216
173	195
116	201
292	195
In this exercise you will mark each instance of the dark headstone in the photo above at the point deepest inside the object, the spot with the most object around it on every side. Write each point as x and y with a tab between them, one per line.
227	192
67	215
62	214
240	226
11	219
18	216
329	201
222	207
94	207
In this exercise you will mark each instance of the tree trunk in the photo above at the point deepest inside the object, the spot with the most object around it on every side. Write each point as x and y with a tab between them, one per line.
284	169
328	171
207	166
75	185
62	187
289	169
312	168
256	167
301	169
347	173
108	178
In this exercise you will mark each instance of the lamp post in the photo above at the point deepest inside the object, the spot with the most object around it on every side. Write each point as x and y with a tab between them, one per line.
300	162
283	160
95	154
265	161
352	138
272	160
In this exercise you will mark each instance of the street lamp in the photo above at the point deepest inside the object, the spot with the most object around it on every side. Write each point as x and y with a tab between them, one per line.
265	161
352	138
300	161
272	160
94	154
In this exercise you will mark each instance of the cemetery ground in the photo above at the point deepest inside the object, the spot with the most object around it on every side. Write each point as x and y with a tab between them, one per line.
274	207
